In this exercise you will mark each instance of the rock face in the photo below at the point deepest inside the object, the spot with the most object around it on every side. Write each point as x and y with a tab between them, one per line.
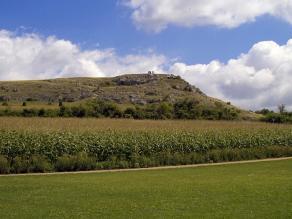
125	89
130	80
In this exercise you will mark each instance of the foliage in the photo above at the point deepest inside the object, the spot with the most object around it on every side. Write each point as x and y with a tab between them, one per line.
78	162
29	151
182	109
4	165
272	117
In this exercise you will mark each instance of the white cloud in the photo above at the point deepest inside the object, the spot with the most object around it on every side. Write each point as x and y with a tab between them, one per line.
156	15
32	57
260	78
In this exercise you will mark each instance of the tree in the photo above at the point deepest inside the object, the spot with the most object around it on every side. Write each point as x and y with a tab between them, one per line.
282	108
60	103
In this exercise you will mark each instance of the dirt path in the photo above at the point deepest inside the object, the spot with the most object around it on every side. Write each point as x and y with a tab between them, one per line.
150	168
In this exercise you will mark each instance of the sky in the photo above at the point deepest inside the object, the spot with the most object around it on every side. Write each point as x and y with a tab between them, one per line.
235	50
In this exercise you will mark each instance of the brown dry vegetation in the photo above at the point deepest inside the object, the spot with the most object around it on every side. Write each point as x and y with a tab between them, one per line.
92	124
125	90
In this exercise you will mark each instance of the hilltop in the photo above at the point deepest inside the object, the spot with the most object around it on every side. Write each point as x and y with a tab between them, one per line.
126	90
136	89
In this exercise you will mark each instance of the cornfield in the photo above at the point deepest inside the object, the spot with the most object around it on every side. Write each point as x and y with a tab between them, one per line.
104	145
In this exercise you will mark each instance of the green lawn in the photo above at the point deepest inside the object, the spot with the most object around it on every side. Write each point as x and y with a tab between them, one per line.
257	190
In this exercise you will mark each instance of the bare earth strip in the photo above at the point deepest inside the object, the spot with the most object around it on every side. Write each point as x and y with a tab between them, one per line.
149	168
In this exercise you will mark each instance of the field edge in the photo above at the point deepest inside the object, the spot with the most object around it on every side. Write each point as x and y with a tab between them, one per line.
149	168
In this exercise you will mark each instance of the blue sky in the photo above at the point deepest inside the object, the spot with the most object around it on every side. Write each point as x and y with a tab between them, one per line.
235	50
108	24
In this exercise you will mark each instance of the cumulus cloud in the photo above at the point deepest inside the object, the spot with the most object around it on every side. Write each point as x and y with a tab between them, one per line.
260	78
156	15
32	57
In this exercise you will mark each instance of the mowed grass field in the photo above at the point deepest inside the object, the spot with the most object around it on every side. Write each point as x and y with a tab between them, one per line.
255	190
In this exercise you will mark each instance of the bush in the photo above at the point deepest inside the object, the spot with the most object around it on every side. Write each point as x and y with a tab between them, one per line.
29	112
20	165
216	156
31	99
277	117
39	164
84	162
79	111
4	165
77	162
65	163
187	109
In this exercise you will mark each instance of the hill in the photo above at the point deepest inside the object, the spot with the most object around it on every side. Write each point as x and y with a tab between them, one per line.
126	90
137	89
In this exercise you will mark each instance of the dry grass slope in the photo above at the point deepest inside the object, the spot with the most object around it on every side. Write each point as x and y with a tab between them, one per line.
126	90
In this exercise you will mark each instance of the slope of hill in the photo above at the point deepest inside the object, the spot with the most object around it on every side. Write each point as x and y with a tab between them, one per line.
136	89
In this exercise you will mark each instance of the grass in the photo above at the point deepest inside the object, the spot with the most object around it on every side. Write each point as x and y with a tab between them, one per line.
255	190
17	106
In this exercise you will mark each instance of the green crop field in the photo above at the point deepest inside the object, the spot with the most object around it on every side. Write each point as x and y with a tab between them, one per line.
255	190
46	144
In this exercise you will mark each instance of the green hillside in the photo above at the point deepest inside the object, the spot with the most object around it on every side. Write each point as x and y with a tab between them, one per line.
126	90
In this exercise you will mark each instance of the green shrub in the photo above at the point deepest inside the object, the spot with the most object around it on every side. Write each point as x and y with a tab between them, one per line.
34	164
65	163
197	158
29	112
122	164
20	165
4	165
77	162
39	164
84	162
216	156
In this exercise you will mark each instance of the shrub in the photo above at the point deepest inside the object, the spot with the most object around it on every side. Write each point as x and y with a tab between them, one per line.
79	111
4	165
20	165
216	156
29	112
77	162
65	163
84	162
39	164
42	112
31	99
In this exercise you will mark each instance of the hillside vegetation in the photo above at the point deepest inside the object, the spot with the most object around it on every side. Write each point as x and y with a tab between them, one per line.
127	89
139	96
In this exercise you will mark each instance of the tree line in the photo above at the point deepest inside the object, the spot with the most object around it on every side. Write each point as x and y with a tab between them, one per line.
282	116
183	109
